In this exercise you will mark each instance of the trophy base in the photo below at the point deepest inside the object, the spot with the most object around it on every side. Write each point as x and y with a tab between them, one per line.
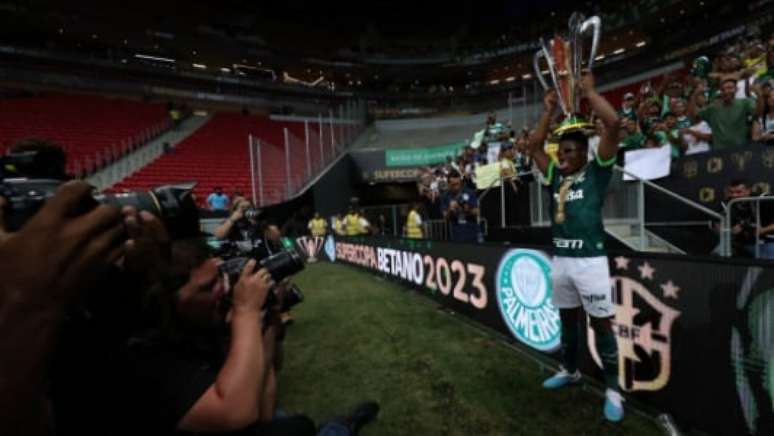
572	124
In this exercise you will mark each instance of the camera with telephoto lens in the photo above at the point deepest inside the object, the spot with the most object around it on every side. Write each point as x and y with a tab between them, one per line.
252	213
27	181
280	266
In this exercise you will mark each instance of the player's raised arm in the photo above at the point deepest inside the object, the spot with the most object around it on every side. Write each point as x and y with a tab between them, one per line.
538	138
608	144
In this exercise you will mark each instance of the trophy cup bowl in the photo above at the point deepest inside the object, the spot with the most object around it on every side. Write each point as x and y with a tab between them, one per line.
564	57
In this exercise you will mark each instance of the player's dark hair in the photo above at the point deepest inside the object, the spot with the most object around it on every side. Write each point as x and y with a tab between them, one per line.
577	137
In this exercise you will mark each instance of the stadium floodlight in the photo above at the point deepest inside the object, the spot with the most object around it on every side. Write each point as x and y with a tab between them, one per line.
153	58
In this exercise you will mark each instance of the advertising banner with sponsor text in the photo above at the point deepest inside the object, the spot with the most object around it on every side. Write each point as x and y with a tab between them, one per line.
695	336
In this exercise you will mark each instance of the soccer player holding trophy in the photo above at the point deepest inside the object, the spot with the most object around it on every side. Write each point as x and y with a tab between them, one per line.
581	276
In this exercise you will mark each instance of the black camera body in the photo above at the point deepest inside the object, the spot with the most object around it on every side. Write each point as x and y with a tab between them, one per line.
280	266
25	194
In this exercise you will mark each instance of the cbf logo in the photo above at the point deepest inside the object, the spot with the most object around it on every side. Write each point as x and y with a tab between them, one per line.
330	248
643	326
310	246
524	291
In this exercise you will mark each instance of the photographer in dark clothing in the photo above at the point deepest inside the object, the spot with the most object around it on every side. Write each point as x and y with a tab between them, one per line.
212	365
242	225
460	209
744	224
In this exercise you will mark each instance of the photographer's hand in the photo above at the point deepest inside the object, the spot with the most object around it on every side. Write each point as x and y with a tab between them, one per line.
224	229
252	289
148	250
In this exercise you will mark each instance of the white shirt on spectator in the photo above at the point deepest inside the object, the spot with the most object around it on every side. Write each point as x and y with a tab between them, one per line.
694	144
740	92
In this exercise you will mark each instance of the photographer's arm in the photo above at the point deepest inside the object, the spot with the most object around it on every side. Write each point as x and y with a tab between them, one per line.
224	229
233	401
271	345
44	266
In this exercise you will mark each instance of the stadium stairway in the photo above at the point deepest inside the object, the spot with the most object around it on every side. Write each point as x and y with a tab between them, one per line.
146	154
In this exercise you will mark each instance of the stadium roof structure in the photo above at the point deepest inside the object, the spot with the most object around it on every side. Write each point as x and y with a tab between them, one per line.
377	45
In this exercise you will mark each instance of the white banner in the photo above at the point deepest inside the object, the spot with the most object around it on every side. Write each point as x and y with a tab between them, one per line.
648	164
493	152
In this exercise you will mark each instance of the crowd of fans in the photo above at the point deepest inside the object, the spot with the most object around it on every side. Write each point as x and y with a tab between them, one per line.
721	103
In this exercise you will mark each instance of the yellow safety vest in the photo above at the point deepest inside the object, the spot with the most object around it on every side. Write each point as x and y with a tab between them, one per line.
318	227
352	223
338	226
413	230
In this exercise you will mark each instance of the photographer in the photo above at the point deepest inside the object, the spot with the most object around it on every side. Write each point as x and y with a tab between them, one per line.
460	210
743	223
242	225
182	376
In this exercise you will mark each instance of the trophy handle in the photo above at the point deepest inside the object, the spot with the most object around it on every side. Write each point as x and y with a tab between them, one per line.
536	65
595	24
545	52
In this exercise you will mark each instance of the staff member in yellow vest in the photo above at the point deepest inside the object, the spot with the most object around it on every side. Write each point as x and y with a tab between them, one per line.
338	225
365	225
414	224
318	226
352	223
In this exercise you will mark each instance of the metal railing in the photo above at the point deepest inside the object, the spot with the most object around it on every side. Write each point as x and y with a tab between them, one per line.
624	208
501	182
300	160
726	232
391	221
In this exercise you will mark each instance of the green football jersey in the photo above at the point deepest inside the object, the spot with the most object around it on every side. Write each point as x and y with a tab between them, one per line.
582	233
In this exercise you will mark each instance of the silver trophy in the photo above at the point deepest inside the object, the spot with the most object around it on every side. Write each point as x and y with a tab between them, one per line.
564	57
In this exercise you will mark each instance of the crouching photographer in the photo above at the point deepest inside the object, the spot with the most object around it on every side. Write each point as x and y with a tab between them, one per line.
211	362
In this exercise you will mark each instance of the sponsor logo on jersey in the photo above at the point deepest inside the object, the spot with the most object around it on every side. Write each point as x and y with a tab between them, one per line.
573	244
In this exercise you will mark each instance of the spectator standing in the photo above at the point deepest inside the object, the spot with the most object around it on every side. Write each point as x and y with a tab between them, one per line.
338	225
352	223
217	201
763	126
460	209
728	117
634	138
627	107
317	225
365	227
414	223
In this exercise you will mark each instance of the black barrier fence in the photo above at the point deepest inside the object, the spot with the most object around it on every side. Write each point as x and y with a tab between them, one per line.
695	336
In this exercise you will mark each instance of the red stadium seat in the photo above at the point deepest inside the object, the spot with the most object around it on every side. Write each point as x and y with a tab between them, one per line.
218	155
93	130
